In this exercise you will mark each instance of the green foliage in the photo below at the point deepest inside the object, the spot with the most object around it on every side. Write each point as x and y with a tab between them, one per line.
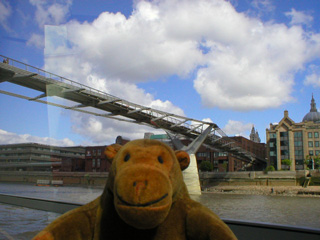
286	162
314	181
206	166
301	181
269	168
308	161
225	165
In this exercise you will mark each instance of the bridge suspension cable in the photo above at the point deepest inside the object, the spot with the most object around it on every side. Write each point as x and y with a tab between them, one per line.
110	106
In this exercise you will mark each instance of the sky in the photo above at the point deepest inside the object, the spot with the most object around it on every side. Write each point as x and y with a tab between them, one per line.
236	63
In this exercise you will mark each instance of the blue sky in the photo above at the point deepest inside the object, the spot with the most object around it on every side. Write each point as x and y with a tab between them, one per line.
236	63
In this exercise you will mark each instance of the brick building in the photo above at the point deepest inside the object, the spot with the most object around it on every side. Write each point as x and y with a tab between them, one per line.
257	148
95	159
221	161
226	162
72	165
121	140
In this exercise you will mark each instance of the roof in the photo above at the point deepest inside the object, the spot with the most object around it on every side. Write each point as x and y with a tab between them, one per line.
313	115
159	136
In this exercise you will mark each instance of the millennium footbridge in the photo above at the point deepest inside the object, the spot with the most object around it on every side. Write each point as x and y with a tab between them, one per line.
113	107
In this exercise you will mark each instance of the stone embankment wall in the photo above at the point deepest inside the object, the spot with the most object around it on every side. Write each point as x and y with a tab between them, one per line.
68	178
258	178
207	179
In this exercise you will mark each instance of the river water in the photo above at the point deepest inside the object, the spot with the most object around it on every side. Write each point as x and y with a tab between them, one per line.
24	223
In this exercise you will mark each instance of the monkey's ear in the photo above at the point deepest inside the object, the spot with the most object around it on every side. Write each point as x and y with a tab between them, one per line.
111	151
183	159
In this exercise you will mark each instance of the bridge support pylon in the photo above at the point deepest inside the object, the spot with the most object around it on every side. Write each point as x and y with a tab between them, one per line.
191	174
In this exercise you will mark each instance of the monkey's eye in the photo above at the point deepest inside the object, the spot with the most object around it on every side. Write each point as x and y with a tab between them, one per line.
127	157
160	159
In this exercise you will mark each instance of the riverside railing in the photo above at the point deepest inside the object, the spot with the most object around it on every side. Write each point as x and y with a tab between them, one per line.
242	229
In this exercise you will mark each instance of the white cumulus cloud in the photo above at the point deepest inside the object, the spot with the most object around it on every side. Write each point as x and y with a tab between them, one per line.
102	131
251	64
51	12
36	40
10	138
239	62
299	17
5	10
235	57
237	128
313	78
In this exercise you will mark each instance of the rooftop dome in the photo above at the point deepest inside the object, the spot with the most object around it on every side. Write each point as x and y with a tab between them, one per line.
313	115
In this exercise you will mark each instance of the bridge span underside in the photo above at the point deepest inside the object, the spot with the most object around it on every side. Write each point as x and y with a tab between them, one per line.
113	107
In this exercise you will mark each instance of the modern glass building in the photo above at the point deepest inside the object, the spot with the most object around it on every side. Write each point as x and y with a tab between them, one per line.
293	141
36	157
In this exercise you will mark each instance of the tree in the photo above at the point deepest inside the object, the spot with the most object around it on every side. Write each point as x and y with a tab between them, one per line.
269	168
206	166
225	166
286	162
312	161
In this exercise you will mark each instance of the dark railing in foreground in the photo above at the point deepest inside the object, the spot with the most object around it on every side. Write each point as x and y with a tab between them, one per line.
242	229
38	203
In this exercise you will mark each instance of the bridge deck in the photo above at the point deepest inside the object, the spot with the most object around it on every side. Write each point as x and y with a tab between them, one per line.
111	106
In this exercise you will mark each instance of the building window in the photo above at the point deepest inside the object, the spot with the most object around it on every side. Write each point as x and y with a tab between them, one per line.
310	144
298	134
284	143
99	152
88	153
284	136
93	163
316	134
220	154
273	153
93	152
316	143
202	154
272	135
299	162
298	143
311	153
317	152
98	162
309	134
